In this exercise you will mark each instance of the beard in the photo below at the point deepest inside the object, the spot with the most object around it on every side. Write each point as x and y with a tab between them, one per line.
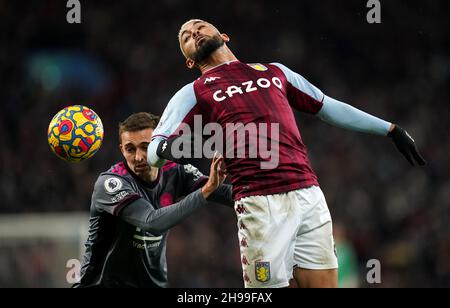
207	48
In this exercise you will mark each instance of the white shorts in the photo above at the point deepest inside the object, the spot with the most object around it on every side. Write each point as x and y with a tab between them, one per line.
279	232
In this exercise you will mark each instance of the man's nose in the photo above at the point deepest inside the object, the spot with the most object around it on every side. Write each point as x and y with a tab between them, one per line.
195	33
140	156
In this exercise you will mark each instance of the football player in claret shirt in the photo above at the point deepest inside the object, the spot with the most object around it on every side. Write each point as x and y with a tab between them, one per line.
284	225
133	207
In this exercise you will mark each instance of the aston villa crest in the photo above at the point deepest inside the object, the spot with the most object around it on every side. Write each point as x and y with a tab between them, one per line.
258	67
262	271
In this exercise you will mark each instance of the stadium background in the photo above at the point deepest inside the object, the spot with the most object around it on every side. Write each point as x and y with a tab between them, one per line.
124	58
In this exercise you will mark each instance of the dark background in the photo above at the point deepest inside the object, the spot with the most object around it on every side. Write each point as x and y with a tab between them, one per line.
124	58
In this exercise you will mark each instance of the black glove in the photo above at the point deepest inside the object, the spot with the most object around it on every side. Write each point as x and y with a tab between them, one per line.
405	144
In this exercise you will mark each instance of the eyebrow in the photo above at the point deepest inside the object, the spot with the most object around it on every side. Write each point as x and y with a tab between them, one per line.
140	144
185	31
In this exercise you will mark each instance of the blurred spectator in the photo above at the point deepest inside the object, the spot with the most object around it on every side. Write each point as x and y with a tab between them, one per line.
348	276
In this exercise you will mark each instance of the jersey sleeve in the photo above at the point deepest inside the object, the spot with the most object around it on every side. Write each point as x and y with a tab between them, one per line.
115	195
157	221
176	112
112	193
191	178
302	95
179	111
343	115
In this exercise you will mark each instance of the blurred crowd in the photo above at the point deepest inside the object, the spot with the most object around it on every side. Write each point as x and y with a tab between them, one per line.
124	58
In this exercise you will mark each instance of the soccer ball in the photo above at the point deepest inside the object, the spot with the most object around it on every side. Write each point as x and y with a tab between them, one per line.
75	133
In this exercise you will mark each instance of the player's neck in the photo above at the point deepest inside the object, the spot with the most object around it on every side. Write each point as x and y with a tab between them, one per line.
219	57
151	176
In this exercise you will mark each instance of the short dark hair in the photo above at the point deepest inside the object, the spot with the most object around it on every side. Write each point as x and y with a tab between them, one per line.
138	121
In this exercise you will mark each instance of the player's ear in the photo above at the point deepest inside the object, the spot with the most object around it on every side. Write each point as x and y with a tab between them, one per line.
225	37
121	149
190	63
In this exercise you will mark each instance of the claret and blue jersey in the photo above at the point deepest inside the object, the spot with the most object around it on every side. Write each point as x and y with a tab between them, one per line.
236	92
251	93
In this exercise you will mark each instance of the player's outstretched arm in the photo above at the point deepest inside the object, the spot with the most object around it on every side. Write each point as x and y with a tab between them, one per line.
345	116
142	214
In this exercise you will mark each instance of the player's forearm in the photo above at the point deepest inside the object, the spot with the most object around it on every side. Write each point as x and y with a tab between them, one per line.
142	215
345	116
160	150
152	153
